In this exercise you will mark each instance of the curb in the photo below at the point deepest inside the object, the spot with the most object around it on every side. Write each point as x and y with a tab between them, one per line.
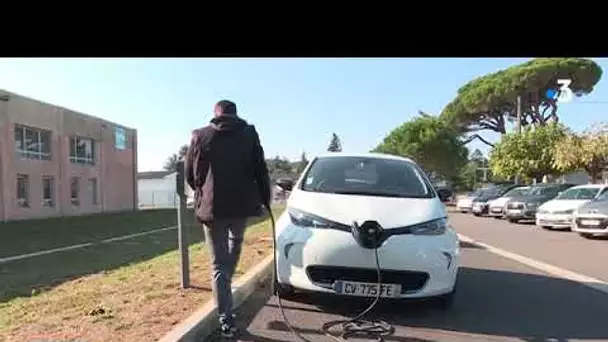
203	322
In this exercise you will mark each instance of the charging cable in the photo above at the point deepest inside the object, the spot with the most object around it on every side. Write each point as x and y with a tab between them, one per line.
356	326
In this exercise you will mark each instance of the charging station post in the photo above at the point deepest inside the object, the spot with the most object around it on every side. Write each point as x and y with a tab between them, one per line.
182	234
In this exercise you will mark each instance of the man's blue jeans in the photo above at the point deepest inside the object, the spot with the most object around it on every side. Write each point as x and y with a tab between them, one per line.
224	236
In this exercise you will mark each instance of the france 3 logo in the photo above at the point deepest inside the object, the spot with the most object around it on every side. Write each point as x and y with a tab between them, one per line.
563	94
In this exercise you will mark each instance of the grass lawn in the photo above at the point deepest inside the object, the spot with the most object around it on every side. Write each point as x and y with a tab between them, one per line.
122	291
29	236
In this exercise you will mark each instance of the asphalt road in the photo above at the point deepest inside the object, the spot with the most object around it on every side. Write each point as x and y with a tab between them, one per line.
498	299
564	249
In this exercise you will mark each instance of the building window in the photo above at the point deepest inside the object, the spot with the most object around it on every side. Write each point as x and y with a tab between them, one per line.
75	191
23	191
120	138
48	191
82	150
33	143
93	190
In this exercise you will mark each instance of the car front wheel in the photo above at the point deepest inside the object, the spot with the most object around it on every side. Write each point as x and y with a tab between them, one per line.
284	291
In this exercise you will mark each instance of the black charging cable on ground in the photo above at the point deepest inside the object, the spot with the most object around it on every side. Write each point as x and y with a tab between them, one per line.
356	326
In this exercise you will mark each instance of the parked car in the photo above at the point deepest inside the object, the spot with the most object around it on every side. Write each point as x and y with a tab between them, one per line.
496	207
320	246
465	204
481	203
557	213
524	207
591	219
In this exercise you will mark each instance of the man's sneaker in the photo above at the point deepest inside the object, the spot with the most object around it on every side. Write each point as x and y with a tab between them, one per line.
228	331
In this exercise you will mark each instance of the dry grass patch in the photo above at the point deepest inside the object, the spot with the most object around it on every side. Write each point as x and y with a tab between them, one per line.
136	301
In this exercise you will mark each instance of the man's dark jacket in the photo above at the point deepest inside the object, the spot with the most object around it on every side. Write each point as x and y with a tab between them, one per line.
225	167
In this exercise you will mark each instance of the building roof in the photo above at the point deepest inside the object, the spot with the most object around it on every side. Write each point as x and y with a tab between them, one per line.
6	95
153	174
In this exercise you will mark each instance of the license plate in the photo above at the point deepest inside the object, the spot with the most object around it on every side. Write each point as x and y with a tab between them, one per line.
496	210
353	288
590	222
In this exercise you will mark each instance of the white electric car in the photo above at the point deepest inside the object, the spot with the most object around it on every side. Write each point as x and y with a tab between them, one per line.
317	250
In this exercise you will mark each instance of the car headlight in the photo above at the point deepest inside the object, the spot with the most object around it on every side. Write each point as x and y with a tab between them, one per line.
435	227
304	219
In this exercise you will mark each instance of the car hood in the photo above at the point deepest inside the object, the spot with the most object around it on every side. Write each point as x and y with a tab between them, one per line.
389	212
594	208
561	205
500	202
465	200
486	198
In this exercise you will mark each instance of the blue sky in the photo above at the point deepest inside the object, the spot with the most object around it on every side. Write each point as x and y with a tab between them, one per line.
295	103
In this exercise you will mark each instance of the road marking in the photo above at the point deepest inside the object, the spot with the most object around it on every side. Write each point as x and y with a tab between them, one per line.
594	283
82	245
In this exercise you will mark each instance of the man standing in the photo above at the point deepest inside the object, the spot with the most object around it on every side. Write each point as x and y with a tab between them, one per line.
226	169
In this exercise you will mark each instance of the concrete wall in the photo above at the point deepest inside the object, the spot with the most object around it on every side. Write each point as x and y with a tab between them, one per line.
114	170
582	177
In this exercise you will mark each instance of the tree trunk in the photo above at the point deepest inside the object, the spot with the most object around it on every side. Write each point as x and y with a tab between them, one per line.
593	173
593	169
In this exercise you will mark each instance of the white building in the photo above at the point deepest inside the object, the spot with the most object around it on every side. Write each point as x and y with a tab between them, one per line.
157	189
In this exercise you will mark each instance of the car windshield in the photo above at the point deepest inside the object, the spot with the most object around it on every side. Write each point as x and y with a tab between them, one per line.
579	194
476	193
603	197
491	192
543	191
517	192
367	176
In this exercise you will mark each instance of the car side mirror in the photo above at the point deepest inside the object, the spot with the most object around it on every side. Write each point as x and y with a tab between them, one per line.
444	196
285	184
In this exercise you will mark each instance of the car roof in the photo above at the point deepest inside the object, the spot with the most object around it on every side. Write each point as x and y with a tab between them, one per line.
553	185
364	155
589	186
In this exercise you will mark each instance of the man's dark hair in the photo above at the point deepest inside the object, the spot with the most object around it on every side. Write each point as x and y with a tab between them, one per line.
225	107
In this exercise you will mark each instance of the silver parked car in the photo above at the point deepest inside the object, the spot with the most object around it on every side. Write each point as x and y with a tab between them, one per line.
591	218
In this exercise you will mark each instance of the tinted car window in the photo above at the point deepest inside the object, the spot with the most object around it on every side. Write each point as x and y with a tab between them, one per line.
516	192
603	197
544	191
579	194
367	176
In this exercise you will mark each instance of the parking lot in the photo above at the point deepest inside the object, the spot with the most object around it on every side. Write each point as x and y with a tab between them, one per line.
498	299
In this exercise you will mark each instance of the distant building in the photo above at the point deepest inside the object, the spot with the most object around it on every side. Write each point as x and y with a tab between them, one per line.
55	161
582	177
157	189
